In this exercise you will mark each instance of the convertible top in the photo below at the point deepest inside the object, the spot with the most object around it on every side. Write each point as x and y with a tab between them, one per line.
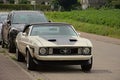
50	23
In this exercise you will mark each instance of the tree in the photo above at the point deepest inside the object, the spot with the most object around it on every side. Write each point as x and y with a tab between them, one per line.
11	1
65	4
55	5
23	1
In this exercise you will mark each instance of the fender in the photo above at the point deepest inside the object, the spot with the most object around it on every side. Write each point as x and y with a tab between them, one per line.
28	48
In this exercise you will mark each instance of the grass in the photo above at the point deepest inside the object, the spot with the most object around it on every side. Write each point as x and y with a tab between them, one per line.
102	22
3	51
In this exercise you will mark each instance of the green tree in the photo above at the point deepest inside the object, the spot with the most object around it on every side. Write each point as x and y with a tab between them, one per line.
23	1
55	5
11	1
66	4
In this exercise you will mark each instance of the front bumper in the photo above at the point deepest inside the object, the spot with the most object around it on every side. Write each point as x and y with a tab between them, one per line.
63	58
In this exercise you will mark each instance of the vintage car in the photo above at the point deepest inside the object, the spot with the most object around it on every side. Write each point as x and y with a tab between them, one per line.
56	43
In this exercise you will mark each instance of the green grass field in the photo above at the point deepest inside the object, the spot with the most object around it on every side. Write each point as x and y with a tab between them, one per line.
102	22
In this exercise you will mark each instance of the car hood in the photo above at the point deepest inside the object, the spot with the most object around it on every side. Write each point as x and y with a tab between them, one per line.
61	41
18	27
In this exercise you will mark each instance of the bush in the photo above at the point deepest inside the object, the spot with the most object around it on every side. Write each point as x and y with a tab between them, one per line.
23	7
65	4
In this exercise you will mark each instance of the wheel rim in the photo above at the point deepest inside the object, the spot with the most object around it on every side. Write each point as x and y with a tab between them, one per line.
27	59
17	53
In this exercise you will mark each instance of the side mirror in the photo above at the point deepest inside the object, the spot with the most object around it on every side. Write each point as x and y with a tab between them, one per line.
24	34
9	22
49	21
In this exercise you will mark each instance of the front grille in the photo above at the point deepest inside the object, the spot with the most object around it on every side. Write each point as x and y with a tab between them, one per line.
65	51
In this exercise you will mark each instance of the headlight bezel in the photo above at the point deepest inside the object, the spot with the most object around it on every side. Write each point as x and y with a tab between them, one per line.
86	51
49	51
43	51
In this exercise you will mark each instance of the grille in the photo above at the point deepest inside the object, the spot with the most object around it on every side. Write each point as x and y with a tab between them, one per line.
65	51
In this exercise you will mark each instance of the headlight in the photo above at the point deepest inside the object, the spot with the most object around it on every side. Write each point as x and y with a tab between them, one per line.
43	51
86	51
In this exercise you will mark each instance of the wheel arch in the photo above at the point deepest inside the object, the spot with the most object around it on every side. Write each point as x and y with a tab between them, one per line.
28	49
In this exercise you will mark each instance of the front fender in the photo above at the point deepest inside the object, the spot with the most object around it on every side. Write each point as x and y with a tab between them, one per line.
30	50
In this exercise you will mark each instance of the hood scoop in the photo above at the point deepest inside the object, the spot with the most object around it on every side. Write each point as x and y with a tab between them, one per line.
73	40
52	40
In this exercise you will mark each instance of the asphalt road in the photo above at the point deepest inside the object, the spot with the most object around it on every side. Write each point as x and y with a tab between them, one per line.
106	64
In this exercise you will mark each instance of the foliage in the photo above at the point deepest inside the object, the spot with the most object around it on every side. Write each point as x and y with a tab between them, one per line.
116	3
113	3
11	1
23	7
55	5
23	1
103	22
67	5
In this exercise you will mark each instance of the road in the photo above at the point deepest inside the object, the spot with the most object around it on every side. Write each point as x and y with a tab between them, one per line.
106	64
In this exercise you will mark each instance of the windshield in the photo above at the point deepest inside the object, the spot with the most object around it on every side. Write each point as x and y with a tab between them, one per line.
28	17
3	17
63	30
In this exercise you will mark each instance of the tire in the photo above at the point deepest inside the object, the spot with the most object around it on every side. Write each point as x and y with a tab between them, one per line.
19	56
30	63
87	67
11	47
3	44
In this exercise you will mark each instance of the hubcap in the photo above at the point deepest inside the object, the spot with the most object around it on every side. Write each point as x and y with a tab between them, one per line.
17	53
27	59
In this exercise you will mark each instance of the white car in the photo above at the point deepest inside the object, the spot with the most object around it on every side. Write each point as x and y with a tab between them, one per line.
53	43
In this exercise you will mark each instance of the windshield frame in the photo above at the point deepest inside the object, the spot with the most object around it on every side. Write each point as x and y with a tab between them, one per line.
74	33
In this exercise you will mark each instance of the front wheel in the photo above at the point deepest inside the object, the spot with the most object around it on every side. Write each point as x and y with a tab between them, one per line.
0	42
3	44
30	63
88	66
11	47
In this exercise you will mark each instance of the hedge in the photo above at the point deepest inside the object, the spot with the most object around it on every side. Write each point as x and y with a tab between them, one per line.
24	7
